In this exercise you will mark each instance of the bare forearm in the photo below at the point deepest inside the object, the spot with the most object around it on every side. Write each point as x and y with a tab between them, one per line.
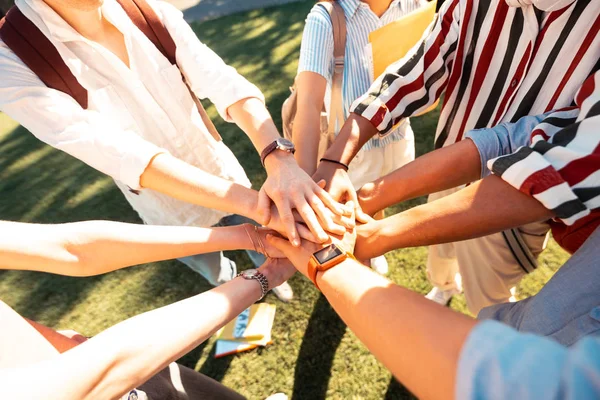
351	138
129	353
168	175
306	135
399	327
254	119
486	207
96	247
439	170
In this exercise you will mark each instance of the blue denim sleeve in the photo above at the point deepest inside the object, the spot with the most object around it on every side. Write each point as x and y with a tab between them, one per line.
503	139
497	362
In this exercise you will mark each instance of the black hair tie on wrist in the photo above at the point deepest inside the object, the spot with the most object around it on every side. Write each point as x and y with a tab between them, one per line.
335	162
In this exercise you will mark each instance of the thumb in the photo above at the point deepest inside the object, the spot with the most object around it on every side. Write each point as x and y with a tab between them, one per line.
322	183
264	207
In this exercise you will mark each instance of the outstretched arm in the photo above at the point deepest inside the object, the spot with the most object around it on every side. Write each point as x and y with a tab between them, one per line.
439	170
128	354
398	326
97	247
488	206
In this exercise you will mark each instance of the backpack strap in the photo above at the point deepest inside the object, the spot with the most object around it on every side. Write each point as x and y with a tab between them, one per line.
144	17
336	109
39	54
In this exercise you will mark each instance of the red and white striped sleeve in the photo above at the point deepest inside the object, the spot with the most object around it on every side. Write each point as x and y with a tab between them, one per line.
415	82
561	166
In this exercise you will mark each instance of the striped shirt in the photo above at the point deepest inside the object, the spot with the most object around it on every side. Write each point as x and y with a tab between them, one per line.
316	53
494	63
561	166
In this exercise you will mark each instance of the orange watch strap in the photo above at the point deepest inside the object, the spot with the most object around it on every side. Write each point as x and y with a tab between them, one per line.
312	270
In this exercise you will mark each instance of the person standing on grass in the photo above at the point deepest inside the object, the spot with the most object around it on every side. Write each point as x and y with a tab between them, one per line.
133	360
494	61
142	128
381	155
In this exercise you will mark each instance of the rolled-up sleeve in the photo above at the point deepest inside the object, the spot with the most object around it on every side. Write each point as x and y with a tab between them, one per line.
58	120
502	139
497	362
413	83
208	75
560	167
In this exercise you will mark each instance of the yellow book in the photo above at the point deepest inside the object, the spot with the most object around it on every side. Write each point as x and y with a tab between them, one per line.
250	329
254	323
391	42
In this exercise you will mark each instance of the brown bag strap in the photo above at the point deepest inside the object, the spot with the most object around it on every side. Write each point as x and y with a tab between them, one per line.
39	54
336	109
144	17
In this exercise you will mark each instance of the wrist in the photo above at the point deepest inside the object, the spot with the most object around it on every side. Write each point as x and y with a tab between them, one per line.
276	159
273	273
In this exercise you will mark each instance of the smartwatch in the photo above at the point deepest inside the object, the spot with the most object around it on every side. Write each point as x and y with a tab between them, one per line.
326	258
279	144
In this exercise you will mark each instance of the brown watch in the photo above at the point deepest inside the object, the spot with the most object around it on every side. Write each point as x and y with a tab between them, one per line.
279	144
326	258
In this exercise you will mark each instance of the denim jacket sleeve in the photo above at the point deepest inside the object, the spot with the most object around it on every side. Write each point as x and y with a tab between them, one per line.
503	139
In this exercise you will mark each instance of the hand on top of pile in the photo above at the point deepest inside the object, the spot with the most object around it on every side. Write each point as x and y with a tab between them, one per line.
297	198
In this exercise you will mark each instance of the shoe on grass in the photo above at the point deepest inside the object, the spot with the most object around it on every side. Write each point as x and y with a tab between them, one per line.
284	292
440	296
277	396
380	265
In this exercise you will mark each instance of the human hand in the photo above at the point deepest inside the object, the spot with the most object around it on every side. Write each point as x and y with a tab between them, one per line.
300	256
277	270
339	187
367	196
289	188
365	236
258	239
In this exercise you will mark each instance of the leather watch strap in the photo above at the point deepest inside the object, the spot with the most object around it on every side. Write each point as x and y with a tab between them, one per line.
268	150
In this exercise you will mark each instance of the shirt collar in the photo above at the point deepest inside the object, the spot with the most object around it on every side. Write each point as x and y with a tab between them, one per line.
350	6
54	27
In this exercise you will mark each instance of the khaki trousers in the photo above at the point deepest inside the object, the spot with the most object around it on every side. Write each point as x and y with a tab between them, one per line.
489	267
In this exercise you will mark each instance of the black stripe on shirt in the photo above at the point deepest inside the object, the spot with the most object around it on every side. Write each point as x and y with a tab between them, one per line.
569	208
566	135
587	194
439	74
533	93
503	163
482	9
495	96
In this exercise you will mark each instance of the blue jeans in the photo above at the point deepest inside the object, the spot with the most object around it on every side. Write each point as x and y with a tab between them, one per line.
215	267
568	306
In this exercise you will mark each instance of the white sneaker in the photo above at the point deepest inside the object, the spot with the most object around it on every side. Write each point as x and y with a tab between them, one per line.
441	296
284	292
277	396
380	265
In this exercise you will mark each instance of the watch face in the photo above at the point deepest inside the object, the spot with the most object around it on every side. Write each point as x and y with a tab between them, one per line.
285	144
328	253
250	272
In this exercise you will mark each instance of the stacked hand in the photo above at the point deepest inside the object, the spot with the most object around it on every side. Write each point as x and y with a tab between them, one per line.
277	247
297	197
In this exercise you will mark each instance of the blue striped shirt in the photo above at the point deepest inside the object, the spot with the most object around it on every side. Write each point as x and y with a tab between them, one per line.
316	52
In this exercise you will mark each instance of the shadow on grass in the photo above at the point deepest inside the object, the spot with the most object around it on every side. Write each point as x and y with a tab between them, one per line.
313	366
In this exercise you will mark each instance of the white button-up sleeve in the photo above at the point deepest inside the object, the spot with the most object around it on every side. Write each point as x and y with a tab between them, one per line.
207	73
58	120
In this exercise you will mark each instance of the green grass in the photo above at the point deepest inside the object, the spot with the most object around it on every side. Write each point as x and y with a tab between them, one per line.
314	355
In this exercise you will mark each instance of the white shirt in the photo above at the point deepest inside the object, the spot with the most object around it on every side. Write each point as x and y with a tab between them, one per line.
134	113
